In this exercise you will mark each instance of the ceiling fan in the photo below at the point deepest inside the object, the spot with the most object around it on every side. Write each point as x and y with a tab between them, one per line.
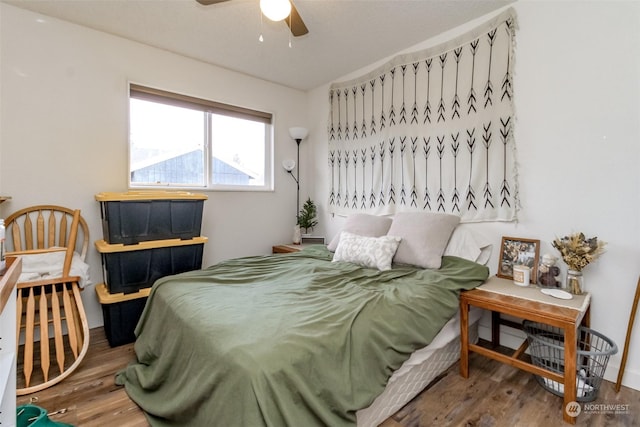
293	19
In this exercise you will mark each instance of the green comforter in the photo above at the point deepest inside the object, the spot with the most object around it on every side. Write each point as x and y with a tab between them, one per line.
284	340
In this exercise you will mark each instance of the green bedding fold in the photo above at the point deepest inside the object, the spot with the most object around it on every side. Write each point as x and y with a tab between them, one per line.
284	340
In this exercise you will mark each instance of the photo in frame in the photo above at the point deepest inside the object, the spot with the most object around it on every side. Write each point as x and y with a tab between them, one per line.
518	251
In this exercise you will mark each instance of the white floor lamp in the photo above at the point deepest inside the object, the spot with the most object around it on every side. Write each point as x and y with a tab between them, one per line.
297	134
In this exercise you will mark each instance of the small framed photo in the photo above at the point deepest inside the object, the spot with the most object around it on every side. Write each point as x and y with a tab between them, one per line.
518	251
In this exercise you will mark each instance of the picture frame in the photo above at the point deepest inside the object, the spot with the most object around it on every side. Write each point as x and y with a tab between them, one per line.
518	251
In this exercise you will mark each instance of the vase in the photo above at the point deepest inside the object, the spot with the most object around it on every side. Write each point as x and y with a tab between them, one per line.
574	282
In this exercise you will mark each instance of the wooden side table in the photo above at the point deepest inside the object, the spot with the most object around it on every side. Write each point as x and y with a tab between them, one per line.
502	296
285	249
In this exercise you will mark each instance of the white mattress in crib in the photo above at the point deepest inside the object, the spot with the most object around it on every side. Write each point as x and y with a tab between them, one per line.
419	370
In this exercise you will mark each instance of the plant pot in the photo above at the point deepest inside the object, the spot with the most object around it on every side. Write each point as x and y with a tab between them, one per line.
296	235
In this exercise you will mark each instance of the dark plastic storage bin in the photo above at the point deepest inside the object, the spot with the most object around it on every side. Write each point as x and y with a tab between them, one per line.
129	268
121	314
140	216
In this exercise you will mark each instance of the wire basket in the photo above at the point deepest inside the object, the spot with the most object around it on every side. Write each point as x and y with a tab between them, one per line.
546	346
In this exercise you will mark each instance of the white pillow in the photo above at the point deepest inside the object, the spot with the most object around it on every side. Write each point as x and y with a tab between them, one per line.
424	237
363	225
467	244
373	252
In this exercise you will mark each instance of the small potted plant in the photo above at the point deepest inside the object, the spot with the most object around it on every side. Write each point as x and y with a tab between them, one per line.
307	216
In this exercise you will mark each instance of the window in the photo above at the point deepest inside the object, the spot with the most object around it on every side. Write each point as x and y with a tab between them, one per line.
177	141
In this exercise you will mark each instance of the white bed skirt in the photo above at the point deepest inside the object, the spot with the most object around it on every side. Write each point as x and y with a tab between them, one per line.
419	370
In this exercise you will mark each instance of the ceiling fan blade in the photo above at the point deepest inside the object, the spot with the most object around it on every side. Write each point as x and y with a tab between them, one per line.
295	22
208	2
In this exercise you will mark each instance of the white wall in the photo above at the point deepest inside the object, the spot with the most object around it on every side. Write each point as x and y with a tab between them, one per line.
64	130
577	94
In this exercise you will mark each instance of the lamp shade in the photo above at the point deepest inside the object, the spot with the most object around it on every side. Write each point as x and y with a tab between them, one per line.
298	133
276	10
288	164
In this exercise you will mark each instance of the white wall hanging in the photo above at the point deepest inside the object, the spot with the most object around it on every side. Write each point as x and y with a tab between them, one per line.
430	131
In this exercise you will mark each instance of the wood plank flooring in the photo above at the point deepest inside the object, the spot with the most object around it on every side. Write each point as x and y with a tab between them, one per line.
493	395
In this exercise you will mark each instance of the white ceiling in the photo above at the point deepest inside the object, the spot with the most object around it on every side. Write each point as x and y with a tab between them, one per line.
344	35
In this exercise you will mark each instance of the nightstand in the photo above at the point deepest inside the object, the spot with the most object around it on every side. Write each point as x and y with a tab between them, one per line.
285	249
502	296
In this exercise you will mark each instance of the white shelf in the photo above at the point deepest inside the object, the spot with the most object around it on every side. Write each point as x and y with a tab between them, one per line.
6	365
8	342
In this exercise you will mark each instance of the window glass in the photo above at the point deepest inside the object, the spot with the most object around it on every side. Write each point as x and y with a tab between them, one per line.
166	144
237	151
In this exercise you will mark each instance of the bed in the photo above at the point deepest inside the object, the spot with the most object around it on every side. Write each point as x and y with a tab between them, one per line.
285	339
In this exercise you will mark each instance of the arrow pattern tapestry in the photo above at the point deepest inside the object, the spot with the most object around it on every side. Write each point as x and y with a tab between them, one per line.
430	131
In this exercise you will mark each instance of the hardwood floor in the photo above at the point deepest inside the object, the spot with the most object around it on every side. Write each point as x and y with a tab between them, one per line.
493	395
89	397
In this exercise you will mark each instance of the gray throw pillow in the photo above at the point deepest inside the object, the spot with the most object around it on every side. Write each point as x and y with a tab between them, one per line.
363	225
424	237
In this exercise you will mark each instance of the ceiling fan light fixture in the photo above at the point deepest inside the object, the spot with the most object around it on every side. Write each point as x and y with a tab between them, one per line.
275	10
